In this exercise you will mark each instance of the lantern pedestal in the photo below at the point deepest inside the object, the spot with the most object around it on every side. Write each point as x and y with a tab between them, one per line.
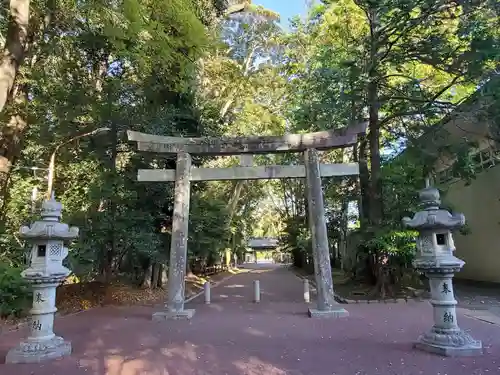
39	351
41	344
46	272
438	342
445	337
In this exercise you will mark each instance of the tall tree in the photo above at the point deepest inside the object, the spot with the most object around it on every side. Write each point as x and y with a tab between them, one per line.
402	65
14	49
106	65
235	80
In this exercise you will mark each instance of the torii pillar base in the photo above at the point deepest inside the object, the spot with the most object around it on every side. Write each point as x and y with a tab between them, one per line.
328	314
161	316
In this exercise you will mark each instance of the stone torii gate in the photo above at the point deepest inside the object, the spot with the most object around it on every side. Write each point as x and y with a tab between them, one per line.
184	173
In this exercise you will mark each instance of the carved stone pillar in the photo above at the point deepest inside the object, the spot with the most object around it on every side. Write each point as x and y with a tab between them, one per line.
178	248
326	305
435	258
49	238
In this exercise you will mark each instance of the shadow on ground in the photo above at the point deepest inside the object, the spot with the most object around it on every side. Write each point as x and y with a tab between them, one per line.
234	336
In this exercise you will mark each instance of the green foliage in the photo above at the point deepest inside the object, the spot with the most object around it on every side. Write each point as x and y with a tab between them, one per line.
120	66
398	245
296	239
18	213
405	65
403	177
209	225
15	293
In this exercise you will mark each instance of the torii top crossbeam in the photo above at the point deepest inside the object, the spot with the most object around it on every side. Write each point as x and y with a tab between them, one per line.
322	140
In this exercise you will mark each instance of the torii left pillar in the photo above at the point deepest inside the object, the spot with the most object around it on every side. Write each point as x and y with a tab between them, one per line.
326	307
174	308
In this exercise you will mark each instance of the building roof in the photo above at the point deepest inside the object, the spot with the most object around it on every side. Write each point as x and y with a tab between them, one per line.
263	243
466	123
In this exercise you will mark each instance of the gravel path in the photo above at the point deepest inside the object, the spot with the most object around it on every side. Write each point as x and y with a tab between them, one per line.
234	336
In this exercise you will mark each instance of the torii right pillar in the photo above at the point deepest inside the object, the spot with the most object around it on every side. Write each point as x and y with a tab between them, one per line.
326	307
435	258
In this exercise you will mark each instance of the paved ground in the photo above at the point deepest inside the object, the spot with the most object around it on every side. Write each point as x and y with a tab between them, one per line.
233	336
477	296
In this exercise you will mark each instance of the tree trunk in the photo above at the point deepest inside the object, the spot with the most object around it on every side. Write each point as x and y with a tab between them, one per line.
342	243
376	213
147	277
233	202
189	271
364	182
12	58
10	147
14	49
111	253
162	282
156	275
344	217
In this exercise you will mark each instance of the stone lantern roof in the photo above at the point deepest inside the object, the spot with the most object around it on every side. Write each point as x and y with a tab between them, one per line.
432	217
49	228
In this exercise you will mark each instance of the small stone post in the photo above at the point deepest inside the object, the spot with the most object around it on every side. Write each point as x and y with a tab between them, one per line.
307	297
256	291
435	258
206	286
178	248
326	304
49	238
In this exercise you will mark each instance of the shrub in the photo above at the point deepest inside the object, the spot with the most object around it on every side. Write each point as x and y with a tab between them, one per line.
398	245
15	292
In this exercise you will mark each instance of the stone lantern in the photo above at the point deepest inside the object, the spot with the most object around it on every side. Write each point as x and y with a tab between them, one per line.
49	238
435	258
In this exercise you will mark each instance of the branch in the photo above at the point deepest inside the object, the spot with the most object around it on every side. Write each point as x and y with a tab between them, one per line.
413	22
417	100
429	102
449	69
395	75
388	119
19	242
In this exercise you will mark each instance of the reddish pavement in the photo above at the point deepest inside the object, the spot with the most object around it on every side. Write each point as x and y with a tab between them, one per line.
233	336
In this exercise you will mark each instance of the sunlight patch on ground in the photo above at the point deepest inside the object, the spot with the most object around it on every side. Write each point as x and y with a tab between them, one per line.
254	366
235	286
186	351
255	332
262	271
236	271
118	365
216	307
